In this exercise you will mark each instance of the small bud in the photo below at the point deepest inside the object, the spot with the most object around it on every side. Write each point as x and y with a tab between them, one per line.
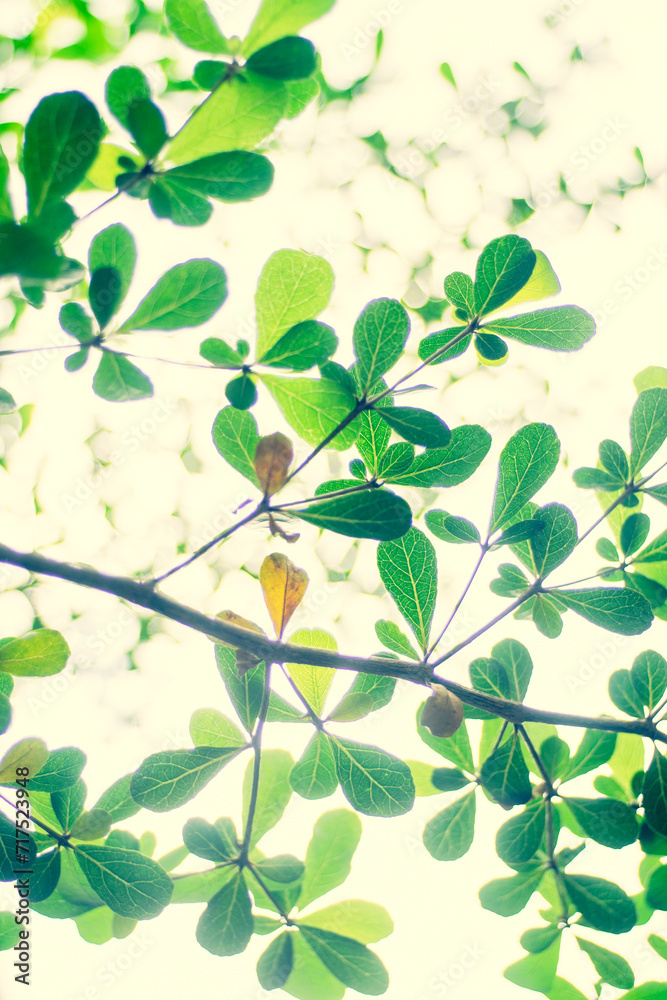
442	712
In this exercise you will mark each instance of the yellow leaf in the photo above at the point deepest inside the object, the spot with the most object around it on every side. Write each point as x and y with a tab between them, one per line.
312	682
541	284
442	712
31	753
273	457
283	585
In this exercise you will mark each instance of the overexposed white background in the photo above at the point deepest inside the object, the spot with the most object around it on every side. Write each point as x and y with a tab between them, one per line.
332	197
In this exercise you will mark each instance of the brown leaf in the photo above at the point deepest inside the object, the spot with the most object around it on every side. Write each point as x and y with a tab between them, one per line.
245	661
283	585
273	457
442	712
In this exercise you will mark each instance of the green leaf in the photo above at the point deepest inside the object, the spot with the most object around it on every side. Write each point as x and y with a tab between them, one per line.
601	903
379	337
186	295
282	868
527	461
129	883
535	972
654	794
192	23
624	695
408	569
241	392
353	706
10	931
230	177
378	514
356	918
444	467
245	692
379	689
655	551
518	665
614	459
314	775
237	115
658	944
648	427
348	960
294	286
557	539
647	991
391	636
62	769
336	835
305	344
450	528
606	550
104	294
518	840
491	350
490	677
114	247
274	791
117	801
522	531
170	200
455	749
236	437
314	408
226	925
213	841
61	141
313	682
16	853
504	774
656	891
560	328
546	616
622	611
310	979
220	354
634	531
610	967
31	753
288	58
209	73
5	713
373	439
503	267
276	962
373	781
649	677
507	896
146	125
539	938
7	402
417	426
460	291
541	284
210	728
277	18
76	321
607	821
450	833
437	341
596	479
448	779
169	778
202	886
91	825
595	749
125	87
35	654
118	380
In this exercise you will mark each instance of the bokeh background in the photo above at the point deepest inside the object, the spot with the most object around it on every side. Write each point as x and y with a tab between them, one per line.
551	124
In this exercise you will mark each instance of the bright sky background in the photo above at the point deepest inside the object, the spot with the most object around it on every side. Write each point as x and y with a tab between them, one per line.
330	194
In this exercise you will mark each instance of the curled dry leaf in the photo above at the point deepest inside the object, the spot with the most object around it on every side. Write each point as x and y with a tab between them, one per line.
245	660
273	457
442	712
283	585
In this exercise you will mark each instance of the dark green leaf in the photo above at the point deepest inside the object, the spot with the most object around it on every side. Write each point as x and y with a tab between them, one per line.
45	875
595	749
649	677
610	967
35	654
622	611
213	841
304	345
417	426
146	125
245	692
655	794
315	408
522	531
68	804
624	695
104	294
314	775
209	73
491	350
503	267
634	531
226	925
351	962
443	467
517	662
170	200
656	891
504	774
606	550
186	295
220	354
61	141
169	778
192	23
648	426
607	821
450	528
559	328
546	615
114	247
436	342
518	840
460	291
378	514
551	546
450	833
507	896
601	903
408	569
15	853
526	463
379	337
275	964
374	782
119	381
126	86
614	459
236	437
282	868
75	320
658	493
241	392
391	636
288	58
61	770
129	883
230	177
